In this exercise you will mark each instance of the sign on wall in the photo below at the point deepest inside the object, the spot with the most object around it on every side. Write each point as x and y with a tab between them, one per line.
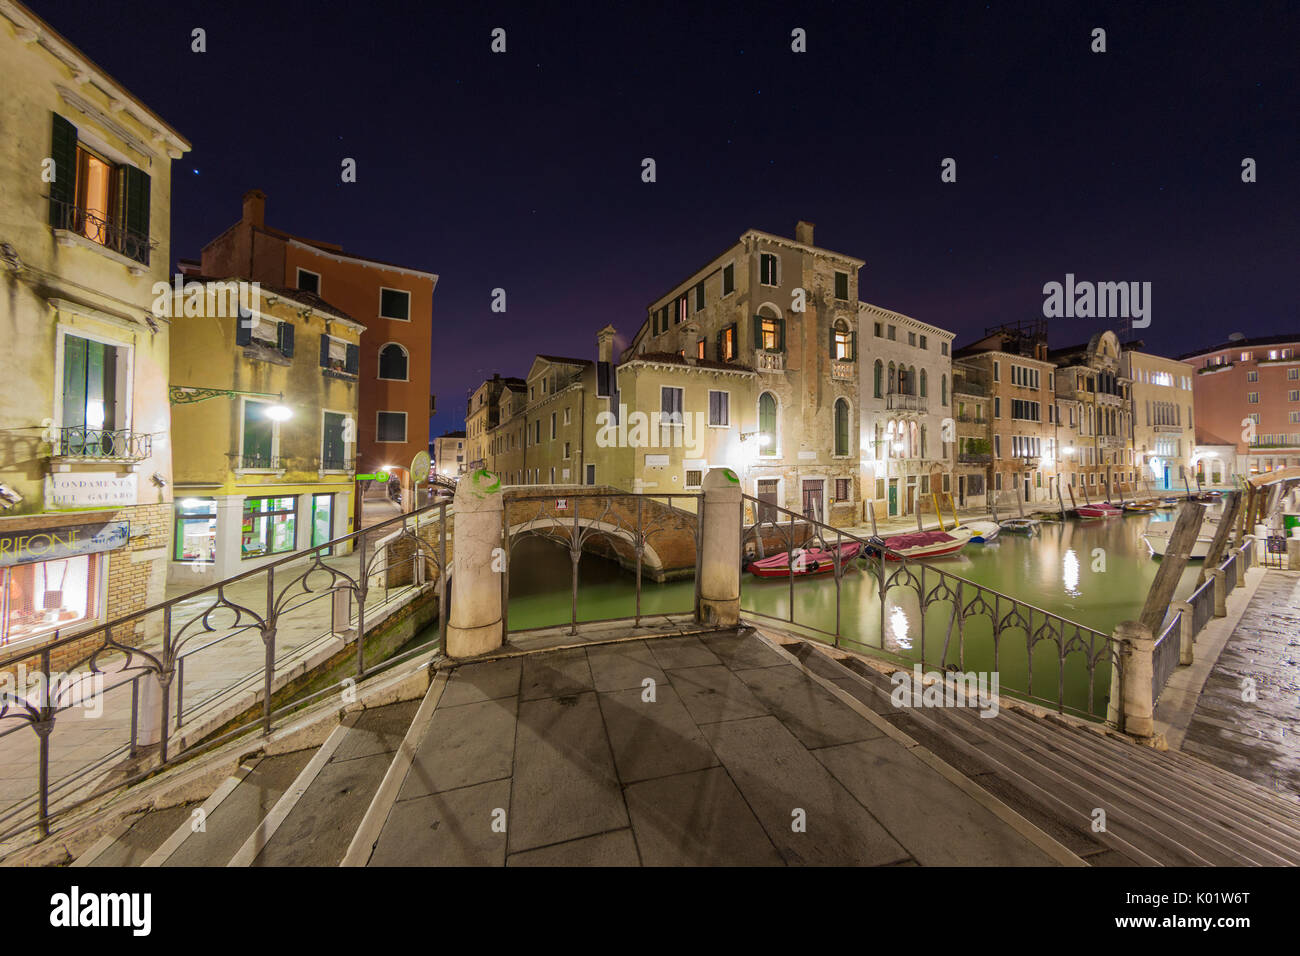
48	544
89	490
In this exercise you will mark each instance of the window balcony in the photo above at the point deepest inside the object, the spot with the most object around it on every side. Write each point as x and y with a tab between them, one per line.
972	420
974	458
900	402
112	235
766	361
79	443
257	462
843	371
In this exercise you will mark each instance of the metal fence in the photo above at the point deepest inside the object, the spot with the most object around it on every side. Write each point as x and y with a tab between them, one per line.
1018	639
208	661
1164	656
1202	602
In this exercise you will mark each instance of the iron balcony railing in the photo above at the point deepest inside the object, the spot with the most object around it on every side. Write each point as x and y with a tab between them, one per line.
217	630
108	233
972	420
252	462
900	401
975	457
101	444
968	387
977	618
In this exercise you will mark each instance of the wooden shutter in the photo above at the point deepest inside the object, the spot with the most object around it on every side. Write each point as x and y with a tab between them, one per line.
74	382
324	351
137	214
832	351
243	328
63	190
758	333
853	346
353	362
285	337
780	335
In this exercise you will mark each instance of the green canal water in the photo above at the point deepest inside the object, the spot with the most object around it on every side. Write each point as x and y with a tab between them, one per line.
1094	573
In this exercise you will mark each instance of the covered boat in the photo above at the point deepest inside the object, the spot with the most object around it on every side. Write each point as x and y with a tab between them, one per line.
926	544
984	531
1102	509
805	561
1139	507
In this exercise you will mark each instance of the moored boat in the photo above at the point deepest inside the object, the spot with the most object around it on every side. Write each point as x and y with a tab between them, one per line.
984	531
803	562
926	544
1102	509
1159	544
1139	507
1020	525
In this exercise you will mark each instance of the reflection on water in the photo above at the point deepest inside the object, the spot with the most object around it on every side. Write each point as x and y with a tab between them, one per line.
898	625
1070	575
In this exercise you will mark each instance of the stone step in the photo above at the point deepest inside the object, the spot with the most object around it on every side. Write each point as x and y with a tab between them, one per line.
137	839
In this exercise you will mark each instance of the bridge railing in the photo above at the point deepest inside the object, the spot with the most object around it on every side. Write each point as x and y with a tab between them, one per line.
910	611
624	525
110	704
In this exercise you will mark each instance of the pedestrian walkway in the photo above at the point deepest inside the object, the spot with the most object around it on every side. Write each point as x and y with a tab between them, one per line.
1247	718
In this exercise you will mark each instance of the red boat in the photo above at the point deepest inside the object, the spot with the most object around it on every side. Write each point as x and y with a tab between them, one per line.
1102	509
806	561
927	544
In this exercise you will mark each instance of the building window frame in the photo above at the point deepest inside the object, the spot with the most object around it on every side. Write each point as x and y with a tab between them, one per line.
378	430
379	311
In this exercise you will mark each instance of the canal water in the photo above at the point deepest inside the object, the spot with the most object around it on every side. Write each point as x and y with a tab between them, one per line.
1094	573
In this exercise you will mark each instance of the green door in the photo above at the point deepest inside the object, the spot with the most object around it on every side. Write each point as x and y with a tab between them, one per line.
893	498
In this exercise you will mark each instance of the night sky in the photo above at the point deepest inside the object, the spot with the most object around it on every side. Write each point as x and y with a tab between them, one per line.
523	170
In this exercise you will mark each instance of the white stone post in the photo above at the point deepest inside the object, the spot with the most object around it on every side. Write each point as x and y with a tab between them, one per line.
719	569
1220	592
1186	632
1139	708
476	625
148	726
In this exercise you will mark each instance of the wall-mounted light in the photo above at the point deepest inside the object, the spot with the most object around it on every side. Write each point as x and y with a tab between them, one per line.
279	413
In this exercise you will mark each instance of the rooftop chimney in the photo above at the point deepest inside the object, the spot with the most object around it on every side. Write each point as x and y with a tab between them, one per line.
605	344
255	207
803	232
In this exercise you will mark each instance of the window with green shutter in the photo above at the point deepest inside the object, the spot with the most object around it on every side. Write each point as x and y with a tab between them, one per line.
63	187
767	424
841	427
728	279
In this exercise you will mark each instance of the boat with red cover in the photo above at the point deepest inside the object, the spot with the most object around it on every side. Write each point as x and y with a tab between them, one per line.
1102	509
927	544
806	561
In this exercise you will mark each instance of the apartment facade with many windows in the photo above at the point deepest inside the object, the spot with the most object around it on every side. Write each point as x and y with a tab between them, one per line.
1164	428
1247	395
265	405
85	475
1091	379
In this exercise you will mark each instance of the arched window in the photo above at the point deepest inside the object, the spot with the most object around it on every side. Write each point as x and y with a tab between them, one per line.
923	383
878	372
392	362
943	390
841	427
767	424
893	379
911	380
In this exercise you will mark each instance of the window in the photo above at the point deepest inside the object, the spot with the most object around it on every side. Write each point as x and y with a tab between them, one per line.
395	304
719	408
95	397
943	348
1293	395
771	334
391	427
877	372
879	333
893	333
843	342
195	533
841	427
322	521
727	343
843	489
392	362
1252	398
767	269
997	446
699	349
568	415
1293	373
337	355
997	371
1252	376
841	285
943	390
308	281
728	278
767	424
258	446
670	414
566	450
682	309
45	596
911	338
269	526
333	450
699	296
552	426
924	343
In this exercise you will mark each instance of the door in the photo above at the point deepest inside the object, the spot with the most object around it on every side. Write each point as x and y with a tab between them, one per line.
591	474
322	519
911	499
1027	491
812	498
893	497
961	491
767	495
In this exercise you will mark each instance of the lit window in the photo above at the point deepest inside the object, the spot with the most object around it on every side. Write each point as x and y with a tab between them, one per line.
196	530
269	526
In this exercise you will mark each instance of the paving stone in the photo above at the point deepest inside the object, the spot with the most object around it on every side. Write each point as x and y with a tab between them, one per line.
464	745
486	680
714	693
653	739
620	666
697	819
935	821
682	652
377	730
565	785
812	713
742	650
453	828
604	849
556	674
777	775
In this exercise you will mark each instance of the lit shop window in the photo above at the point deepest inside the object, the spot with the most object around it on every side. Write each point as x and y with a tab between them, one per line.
268	526
196	530
38	599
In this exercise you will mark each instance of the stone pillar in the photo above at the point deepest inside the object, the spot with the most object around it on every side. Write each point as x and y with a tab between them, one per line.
719	569
1220	592
1139	708
148	726
475	625
1186	632
1293	552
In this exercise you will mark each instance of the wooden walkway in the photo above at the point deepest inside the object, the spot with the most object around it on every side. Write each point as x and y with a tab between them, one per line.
1257	739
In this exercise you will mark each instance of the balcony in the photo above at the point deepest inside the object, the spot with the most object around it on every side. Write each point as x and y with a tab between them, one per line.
256	462
968	387
1112	441
972	420
843	371
974	457
766	361
78	443
70	218
900	402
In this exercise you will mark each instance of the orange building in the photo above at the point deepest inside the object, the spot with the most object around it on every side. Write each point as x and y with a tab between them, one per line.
394	303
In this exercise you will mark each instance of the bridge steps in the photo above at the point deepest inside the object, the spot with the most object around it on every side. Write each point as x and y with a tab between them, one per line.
1161	808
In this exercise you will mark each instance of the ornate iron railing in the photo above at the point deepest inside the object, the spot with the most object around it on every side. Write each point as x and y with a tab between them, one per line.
267	462
119	659
1013	626
122	444
1164	657
106	232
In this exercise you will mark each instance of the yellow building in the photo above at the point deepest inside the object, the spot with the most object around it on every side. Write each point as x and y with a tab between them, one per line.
1164	435
85	472
264	420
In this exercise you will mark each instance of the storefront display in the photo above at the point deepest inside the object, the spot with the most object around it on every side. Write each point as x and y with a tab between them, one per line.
269	526
196	530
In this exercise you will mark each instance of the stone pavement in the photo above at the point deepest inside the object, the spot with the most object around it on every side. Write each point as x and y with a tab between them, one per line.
1257	739
689	750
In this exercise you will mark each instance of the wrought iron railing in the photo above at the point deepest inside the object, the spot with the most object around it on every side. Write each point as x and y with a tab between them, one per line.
108	233
266	462
219	629
628	523
1164	656
975	457
121	444
993	626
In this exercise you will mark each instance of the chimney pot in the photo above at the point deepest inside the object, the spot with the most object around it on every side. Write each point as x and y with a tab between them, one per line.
803	232
255	207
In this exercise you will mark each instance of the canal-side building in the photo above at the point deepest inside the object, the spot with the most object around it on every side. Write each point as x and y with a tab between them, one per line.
1247	395
482	415
1164	432
907	428
1092	375
393	302
1012	362
265	402
973	454
86	469
786	309
449	454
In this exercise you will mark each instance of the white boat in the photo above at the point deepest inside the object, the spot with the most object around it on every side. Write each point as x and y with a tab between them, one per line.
1020	525
1159	544
985	531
